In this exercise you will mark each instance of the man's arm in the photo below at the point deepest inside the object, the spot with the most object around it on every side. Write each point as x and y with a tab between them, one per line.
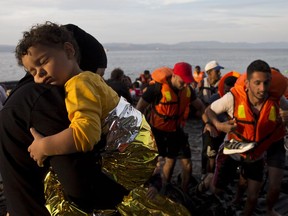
283	113
151	95
283	103
223	105
199	105
142	105
226	127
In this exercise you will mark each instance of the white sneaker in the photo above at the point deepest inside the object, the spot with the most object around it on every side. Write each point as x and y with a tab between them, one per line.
234	147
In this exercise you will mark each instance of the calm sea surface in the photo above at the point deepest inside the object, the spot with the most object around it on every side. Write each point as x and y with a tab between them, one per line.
135	62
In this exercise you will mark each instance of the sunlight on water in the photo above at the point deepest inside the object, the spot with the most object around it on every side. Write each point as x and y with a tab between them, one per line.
135	62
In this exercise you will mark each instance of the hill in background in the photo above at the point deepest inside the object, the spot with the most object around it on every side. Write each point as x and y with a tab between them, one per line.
7	48
182	45
195	45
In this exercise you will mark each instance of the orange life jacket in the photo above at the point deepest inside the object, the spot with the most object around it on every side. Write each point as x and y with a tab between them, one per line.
222	81
286	91
173	109
198	77
265	130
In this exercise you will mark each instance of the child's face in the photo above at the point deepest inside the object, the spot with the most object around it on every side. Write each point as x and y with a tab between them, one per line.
50	65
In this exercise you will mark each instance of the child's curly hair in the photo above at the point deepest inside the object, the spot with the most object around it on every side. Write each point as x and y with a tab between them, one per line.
49	34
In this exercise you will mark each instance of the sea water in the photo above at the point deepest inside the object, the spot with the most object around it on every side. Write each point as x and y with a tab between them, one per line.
135	62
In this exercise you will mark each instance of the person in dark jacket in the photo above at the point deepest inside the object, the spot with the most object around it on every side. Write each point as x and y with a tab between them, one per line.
22	178
33	104
117	84
92	53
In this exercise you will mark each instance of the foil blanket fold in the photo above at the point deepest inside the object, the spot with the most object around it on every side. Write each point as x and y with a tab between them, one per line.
129	158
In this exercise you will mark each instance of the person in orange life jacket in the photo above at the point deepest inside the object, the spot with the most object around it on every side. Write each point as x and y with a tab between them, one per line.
170	96
209	84
284	113
198	76
255	98
145	77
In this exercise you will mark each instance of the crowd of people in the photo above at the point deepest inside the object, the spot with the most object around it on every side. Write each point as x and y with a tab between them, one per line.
72	142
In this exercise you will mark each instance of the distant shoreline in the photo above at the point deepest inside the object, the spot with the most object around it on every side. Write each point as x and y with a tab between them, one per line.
183	45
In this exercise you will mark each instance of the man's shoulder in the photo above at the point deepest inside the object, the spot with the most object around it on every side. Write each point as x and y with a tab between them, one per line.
156	87
152	92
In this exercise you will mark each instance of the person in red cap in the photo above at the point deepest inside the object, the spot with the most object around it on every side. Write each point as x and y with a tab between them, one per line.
184	70
169	97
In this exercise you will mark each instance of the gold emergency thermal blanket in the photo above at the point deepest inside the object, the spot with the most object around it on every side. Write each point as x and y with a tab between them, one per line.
129	158
130	155
137	204
58	206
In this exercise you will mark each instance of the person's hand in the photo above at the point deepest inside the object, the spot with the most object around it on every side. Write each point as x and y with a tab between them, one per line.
212	130
284	116
228	126
36	149
152	192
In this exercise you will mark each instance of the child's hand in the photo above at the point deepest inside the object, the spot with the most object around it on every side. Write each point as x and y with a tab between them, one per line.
36	149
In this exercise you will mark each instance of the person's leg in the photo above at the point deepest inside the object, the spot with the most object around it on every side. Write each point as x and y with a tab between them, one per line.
253	190
253	171
186	173
206	184
212	150
167	170
184	154
206	140
162	141
275	176
276	163
241	188
225	170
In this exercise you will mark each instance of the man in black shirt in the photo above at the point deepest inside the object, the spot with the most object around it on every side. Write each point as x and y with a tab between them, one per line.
169	98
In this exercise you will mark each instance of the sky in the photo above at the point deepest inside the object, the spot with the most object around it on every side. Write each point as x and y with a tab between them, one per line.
152	21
